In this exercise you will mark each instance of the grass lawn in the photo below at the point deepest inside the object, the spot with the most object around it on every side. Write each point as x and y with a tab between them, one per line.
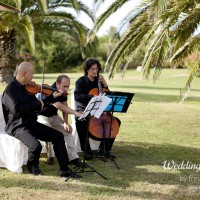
157	145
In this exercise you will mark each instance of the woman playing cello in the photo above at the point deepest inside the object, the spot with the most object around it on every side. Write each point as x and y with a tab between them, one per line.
86	84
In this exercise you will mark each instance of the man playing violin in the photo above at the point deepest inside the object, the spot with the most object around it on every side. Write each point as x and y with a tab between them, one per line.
20	113
83	87
49	117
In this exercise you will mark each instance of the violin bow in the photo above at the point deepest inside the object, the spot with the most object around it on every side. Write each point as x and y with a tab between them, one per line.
43	69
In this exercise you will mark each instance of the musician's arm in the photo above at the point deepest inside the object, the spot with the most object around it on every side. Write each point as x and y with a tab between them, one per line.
63	107
80	94
12	101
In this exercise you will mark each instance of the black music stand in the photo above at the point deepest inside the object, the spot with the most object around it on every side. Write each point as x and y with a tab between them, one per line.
120	103
94	108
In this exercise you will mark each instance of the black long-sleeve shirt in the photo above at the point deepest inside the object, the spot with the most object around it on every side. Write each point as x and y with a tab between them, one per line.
19	108
82	88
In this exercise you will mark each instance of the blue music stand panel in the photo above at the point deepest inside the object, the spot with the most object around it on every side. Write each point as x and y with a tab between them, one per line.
120	101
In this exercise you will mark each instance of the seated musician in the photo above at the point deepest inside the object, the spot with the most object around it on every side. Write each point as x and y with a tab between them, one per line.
83	86
20	112
49	117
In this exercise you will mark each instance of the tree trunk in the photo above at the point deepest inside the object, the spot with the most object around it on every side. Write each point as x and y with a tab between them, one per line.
8	59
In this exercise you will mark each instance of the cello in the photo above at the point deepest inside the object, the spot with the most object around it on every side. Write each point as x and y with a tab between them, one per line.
107	125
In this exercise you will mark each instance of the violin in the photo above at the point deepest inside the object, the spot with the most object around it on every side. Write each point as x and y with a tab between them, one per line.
32	88
106	126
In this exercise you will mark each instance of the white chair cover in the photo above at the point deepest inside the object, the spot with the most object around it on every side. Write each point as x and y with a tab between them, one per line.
94	144
13	153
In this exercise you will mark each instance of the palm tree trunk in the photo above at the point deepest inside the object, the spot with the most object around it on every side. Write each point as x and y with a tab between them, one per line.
8	59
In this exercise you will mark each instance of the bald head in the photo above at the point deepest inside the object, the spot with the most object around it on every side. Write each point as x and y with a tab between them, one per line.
25	73
24	67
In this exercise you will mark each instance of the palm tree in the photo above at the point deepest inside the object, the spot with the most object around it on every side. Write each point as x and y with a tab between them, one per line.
12	24
59	18
168	27
37	19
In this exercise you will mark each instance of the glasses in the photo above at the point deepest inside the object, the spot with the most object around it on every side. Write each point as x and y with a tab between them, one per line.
93	69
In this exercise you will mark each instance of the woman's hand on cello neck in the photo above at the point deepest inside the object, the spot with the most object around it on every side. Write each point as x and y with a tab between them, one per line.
102	80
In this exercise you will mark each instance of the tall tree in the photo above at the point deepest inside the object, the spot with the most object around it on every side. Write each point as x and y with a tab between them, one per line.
168	27
37	19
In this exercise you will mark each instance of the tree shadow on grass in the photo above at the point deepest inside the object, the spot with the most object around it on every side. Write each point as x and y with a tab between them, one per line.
143	163
142	174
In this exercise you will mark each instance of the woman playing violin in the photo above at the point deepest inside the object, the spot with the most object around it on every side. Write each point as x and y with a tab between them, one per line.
83	86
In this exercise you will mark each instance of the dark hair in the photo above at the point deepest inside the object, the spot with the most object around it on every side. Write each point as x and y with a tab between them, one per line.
89	62
60	78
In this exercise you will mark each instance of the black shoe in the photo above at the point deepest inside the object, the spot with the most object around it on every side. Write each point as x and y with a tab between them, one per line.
101	153
77	162
50	161
110	156
102	156
69	174
35	170
88	156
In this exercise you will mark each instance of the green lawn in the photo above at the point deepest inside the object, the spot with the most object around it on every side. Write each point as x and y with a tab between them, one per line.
156	129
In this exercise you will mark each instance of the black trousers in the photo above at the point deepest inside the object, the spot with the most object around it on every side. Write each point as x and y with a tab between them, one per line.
30	135
82	128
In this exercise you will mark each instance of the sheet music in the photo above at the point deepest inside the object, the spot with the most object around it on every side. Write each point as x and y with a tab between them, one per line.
96	106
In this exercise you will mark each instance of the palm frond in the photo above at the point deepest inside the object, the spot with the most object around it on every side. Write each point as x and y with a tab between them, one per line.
189	47
185	91
12	3
25	24
161	6
18	4
60	15
100	20
130	37
63	5
124	52
161	55
143	40
98	3
130	58
186	28
75	4
8	21
43	6
131	16
154	57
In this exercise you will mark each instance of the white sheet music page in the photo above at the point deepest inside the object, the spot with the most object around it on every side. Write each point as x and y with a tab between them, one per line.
103	102
96	106
88	108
